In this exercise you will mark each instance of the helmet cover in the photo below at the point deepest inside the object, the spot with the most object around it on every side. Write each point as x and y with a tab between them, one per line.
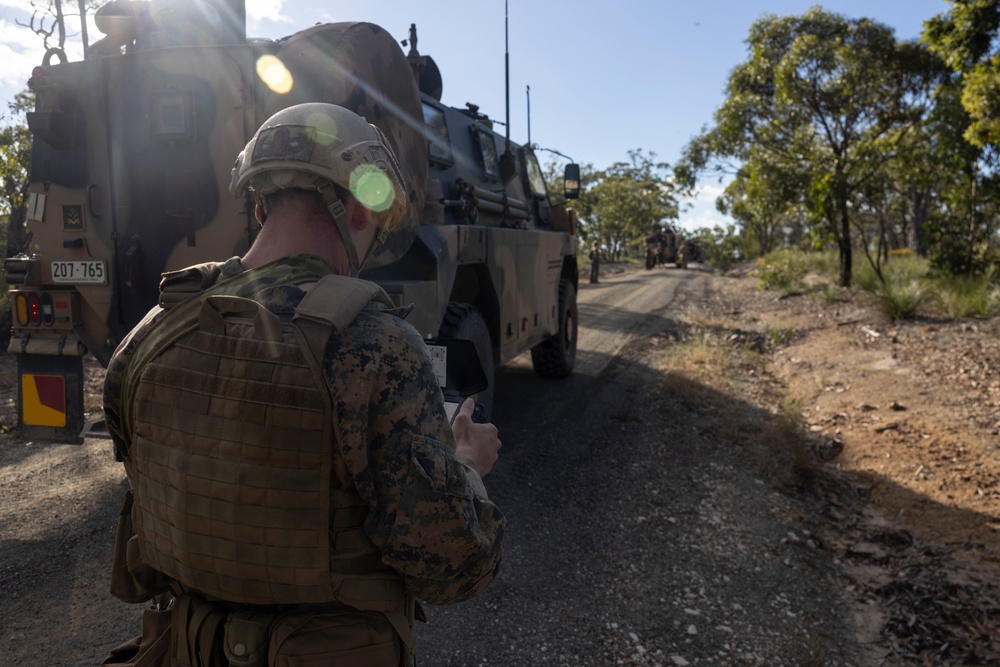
309	145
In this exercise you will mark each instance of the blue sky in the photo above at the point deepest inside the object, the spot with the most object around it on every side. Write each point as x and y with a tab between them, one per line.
605	76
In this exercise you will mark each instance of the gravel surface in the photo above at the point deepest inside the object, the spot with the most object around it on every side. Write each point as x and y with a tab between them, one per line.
660	509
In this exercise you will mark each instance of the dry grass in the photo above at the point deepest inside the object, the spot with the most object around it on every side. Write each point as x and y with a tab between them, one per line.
714	374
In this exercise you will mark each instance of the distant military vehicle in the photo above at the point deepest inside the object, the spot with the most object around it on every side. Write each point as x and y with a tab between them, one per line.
664	245
131	158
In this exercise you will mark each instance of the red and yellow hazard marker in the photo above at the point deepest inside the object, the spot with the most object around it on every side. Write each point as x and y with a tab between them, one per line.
43	400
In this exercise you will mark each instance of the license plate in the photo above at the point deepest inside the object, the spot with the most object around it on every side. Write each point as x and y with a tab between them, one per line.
91	271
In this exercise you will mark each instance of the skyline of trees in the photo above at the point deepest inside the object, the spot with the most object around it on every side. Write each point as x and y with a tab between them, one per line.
833	133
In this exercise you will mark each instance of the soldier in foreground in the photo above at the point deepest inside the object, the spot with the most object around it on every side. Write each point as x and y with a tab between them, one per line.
295	483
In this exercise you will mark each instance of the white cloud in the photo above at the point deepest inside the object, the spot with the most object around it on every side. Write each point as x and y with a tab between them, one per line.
20	51
259	11
699	211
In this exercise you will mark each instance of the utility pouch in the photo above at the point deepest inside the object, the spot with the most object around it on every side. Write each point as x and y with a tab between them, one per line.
152	648
356	638
246	638
131	581
197	633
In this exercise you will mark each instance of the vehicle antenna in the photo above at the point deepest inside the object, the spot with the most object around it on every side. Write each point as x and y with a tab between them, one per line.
506	63
528	93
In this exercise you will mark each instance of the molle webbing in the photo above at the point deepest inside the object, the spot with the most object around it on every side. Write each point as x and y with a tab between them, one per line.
194	283
234	442
233	463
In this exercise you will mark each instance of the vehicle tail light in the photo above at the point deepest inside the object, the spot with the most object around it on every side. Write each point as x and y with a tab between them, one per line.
21	309
48	311
34	309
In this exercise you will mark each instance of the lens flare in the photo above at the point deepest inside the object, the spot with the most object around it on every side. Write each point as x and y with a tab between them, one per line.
372	187
274	74
326	128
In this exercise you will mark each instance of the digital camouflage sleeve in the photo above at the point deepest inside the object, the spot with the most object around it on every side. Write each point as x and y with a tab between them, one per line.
429	514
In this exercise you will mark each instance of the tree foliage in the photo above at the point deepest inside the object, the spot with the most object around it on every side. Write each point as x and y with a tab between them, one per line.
15	159
965	225
821	106
965	38
619	204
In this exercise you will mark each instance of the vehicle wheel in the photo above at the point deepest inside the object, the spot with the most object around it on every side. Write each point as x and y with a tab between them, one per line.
554	358
463	320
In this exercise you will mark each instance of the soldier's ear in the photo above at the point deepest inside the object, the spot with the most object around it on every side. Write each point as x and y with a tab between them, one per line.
259	214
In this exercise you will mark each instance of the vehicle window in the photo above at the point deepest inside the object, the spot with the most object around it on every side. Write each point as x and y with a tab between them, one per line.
535	179
440	149
489	151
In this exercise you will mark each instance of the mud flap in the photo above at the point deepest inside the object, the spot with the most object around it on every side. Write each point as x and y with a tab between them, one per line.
50	393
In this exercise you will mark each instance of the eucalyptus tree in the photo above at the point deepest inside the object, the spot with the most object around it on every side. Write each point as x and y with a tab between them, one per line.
15	159
620	203
764	199
829	98
965	37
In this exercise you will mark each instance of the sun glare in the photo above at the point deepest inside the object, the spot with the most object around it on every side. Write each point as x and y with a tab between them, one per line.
273	72
372	187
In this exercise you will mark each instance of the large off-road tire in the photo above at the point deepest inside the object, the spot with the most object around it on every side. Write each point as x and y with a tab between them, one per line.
554	358
463	320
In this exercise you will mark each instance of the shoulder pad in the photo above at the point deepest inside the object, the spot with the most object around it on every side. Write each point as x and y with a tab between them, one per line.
336	300
175	286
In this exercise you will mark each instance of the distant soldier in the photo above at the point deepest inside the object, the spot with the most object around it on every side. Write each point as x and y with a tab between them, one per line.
669	243
295	483
654	246
595	261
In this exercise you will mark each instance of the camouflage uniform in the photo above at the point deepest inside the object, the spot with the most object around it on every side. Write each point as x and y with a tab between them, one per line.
444	541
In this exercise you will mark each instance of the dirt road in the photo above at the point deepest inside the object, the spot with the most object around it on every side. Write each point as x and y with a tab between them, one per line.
632	539
639	533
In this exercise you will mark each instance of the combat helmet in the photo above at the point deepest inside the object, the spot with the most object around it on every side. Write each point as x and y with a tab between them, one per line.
316	146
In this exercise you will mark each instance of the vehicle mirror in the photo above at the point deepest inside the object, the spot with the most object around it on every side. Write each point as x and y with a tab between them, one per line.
571	181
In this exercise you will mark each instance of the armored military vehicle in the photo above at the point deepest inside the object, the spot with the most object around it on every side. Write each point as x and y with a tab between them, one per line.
131	158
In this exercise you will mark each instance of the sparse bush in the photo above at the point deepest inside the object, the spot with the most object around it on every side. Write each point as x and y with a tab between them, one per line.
903	288
778	336
977	296
782	270
864	277
791	428
900	299
824	261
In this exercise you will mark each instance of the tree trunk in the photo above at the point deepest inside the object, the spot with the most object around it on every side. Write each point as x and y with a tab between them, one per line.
973	219
844	244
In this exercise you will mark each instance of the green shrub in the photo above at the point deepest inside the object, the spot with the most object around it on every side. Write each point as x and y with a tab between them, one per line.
779	336
899	270
900	298
782	270
824	261
960	296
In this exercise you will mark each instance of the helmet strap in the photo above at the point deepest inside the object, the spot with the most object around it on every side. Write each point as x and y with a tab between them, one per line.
336	208
339	214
